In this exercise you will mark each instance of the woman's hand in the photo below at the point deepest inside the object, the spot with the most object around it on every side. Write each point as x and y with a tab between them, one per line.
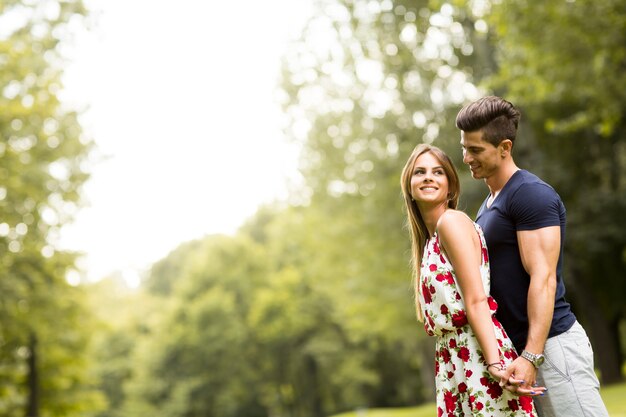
497	372
510	383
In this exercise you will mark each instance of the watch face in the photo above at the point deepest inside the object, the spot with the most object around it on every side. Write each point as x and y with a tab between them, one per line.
539	361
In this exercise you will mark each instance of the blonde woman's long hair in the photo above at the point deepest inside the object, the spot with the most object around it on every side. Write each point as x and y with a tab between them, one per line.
415	222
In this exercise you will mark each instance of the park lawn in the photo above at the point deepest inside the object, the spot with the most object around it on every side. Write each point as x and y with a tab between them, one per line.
614	397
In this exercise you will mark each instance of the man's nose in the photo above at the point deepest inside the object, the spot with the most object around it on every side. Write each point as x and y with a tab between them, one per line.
467	158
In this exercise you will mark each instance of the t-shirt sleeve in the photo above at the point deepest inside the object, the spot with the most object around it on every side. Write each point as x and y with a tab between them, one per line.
535	205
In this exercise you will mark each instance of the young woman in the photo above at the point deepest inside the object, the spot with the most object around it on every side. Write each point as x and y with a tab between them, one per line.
451	269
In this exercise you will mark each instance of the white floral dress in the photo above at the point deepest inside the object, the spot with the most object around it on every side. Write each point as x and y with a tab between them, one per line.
464	386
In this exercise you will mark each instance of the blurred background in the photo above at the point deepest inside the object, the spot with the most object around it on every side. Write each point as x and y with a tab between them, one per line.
200	211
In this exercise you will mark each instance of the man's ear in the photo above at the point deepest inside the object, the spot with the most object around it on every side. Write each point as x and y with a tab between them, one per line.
505	147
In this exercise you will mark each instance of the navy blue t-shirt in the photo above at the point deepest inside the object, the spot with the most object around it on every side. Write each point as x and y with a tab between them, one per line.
524	203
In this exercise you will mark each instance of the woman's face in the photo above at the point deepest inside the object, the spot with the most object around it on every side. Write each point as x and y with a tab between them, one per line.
429	183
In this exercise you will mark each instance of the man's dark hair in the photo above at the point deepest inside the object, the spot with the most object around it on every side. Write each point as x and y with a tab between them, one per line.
496	117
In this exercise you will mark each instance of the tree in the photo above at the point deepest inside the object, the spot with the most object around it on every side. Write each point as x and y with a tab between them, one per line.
342	355
43	154
367	82
196	357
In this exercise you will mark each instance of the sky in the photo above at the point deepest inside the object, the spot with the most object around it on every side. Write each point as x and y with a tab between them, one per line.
179	98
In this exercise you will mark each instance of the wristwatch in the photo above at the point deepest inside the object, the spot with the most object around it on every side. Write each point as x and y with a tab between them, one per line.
535	358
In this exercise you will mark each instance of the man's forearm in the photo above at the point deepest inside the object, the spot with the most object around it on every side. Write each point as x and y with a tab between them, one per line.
541	293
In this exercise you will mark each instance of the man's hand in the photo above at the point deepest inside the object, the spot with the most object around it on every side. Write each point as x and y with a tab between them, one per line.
520	378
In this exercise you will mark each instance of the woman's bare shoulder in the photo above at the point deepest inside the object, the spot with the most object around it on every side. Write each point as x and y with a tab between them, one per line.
452	220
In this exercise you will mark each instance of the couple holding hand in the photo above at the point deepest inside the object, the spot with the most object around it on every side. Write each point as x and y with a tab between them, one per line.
492	292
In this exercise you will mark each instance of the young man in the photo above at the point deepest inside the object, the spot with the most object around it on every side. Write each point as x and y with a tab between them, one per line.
523	220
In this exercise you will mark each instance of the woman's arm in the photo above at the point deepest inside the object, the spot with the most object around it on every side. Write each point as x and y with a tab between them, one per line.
461	244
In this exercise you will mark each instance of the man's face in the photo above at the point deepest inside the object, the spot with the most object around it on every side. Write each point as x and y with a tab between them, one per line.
482	157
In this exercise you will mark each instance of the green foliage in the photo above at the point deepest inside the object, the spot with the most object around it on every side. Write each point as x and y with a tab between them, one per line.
122	318
254	327
194	358
42	153
568	53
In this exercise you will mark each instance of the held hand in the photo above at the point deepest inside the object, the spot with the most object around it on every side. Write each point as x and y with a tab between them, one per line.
497	373
520	378
524	373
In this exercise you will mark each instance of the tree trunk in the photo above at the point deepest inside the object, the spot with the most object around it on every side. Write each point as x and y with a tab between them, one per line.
603	332
428	368
604	336
32	404
316	408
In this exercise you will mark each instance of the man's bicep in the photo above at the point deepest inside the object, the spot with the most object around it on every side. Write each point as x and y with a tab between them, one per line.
539	249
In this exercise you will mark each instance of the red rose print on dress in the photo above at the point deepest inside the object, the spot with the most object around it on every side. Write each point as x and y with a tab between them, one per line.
426	294
526	403
464	354
450	401
445	355
494	390
459	319
431	323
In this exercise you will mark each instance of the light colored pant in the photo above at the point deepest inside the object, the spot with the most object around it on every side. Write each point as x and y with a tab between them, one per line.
568	373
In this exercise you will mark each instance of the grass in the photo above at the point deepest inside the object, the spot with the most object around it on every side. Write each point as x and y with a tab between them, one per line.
614	397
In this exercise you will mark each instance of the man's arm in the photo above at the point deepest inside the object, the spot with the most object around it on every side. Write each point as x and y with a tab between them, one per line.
539	251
